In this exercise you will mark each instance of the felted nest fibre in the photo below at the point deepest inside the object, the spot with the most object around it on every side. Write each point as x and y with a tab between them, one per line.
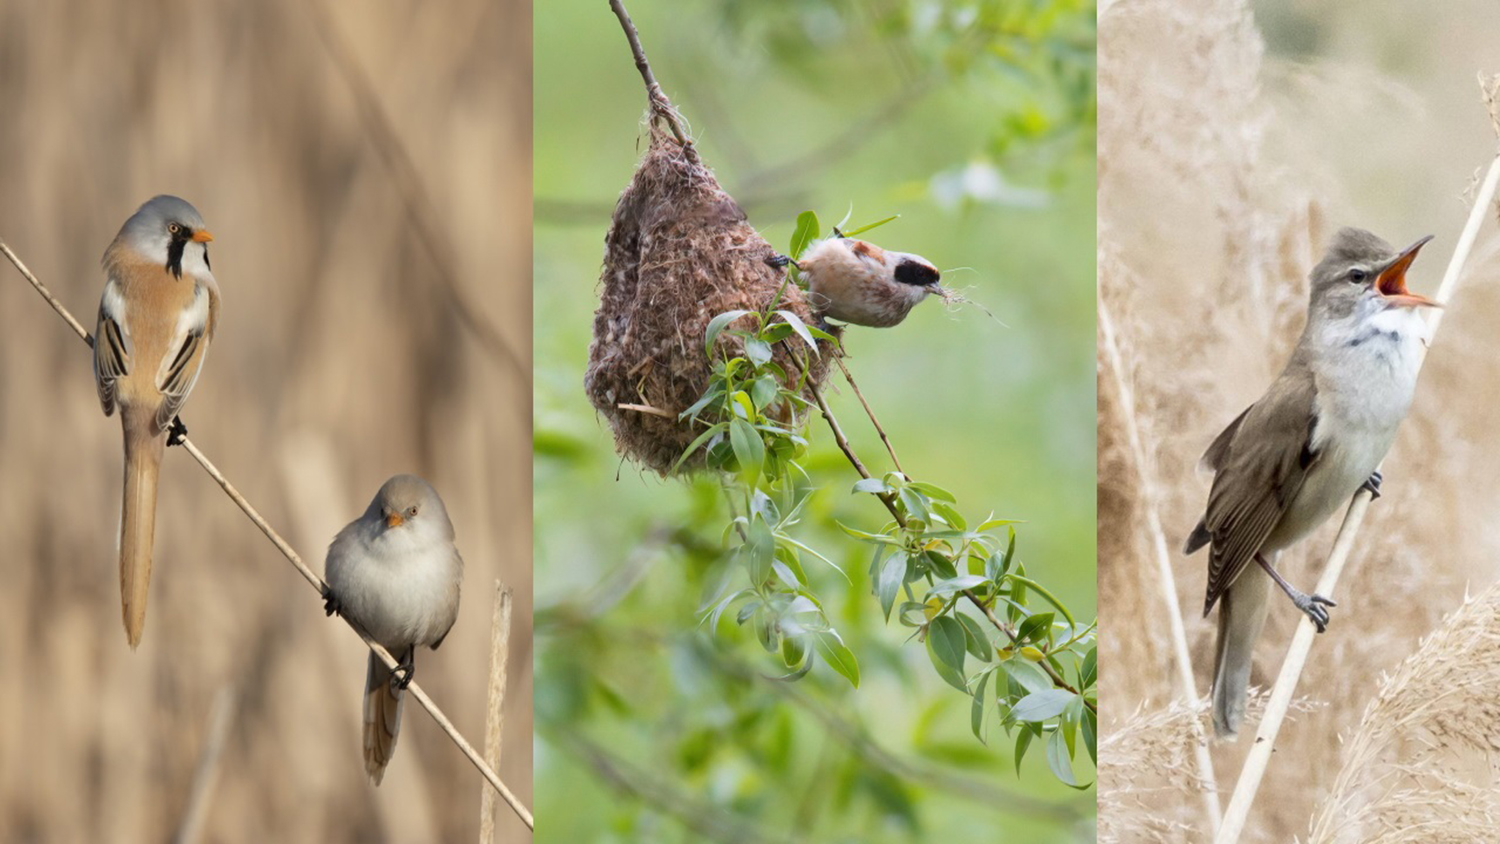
679	252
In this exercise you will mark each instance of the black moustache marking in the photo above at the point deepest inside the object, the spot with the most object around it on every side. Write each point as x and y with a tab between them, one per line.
915	274
174	256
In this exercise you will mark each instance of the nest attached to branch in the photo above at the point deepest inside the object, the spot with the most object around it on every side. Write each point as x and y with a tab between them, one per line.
679	252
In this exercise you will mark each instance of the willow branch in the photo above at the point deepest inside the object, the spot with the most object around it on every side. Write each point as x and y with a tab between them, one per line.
661	107
889	501
296	560
849	376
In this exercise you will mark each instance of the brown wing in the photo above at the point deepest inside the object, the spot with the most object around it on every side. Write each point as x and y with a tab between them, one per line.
1256	481
112	349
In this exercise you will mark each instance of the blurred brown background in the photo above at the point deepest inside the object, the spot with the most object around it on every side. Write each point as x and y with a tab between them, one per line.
366	173
1234	138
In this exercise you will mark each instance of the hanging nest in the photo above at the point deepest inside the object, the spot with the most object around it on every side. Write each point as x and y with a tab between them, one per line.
679	252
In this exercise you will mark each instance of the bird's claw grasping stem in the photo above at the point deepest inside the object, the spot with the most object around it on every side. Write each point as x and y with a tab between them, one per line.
176	432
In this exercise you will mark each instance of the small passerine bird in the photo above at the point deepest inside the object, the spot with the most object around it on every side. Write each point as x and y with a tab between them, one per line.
1301	451
156	320
395	572
857	282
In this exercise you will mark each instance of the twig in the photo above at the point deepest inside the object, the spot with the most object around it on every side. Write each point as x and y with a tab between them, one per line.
661	107
889	448
494	721
646	408
890	504
1291	669
296	560
1187	688
206	774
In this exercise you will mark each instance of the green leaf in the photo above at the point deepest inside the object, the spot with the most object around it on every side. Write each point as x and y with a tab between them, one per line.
936	493
949	514
871	485
1040	706
1027	675
1090	734
956	584
837	654
1023	742
975	640
946	636
1035	628
876	224
892	575
1088	674
1069	724
915	504
716	325
1057	760
760	547
757	350
977	708
749	450
806	232
698	442
801	328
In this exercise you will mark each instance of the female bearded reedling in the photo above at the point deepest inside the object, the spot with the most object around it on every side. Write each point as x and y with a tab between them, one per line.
396	573
857	282
1298	454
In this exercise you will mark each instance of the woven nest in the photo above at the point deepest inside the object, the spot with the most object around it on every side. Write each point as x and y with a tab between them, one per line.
679	252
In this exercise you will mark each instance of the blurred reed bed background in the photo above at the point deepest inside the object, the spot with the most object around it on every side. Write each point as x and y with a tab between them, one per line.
366	173
1234	138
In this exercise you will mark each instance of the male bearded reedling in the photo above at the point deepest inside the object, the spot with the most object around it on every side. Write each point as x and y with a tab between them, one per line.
395	572
1300	453
156	320
858	282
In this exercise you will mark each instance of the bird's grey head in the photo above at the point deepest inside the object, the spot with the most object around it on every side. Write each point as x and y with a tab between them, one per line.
915	271
410	503
1362	275
168	231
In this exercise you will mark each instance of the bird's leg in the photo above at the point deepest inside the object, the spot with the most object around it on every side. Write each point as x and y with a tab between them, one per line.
176	432
1373	485
406	669
1312	605
331	602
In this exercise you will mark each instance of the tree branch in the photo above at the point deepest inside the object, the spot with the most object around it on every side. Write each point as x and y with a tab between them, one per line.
661	107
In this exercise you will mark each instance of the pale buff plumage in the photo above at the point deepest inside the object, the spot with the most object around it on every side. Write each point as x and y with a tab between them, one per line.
156	319
857	282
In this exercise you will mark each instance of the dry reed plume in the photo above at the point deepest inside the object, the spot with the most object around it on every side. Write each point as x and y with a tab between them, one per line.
362	311
1217	184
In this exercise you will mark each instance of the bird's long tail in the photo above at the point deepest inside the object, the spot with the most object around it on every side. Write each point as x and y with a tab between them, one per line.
382	716
1242	612
143	452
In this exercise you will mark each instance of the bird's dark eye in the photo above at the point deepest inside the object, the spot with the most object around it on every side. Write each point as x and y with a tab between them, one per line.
1358	276
411	511
173	228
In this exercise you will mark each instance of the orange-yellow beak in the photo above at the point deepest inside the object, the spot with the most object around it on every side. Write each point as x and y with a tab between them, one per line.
202	236
1391	283
393	519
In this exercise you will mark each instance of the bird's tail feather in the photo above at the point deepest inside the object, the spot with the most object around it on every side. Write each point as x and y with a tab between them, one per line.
382	717
1242	612
143	453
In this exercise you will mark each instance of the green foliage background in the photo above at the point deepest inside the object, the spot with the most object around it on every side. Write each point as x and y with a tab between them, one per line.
651	729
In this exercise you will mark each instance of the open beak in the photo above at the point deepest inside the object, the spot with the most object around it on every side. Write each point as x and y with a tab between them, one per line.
202	236
1391	283
393	519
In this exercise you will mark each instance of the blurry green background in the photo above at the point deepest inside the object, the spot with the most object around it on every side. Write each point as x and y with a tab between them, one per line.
975	123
